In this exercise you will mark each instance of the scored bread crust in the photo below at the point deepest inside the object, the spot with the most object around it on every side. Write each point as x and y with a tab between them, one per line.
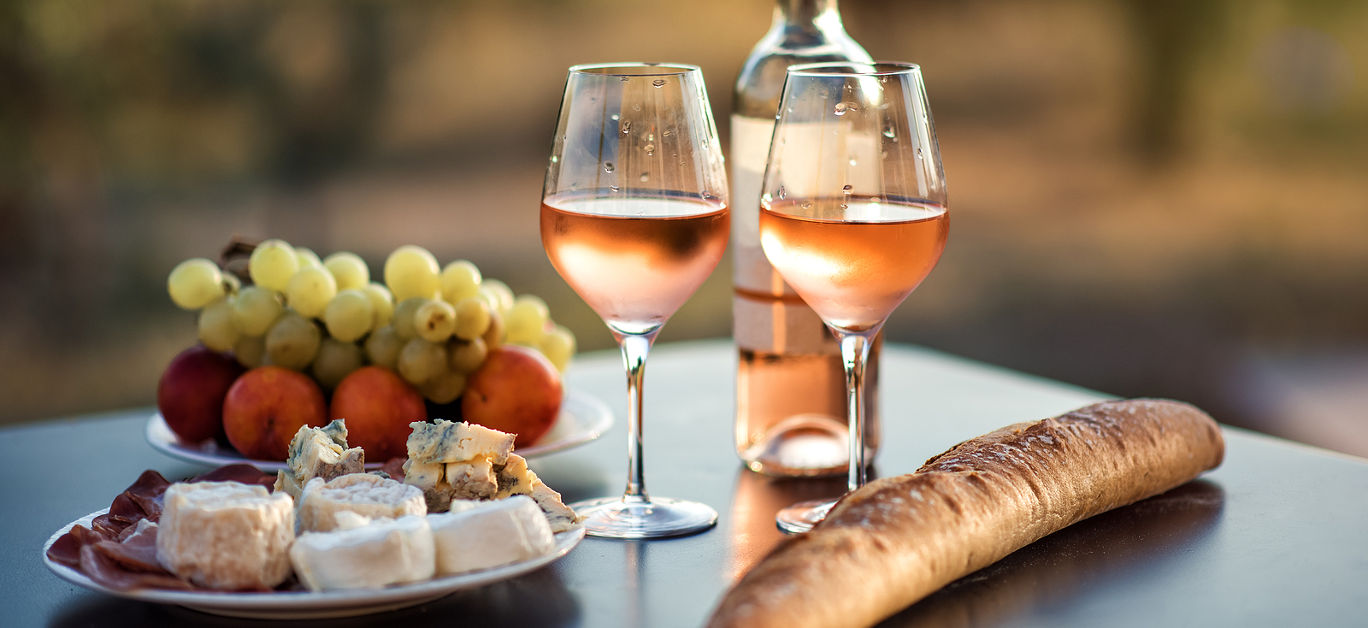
898	539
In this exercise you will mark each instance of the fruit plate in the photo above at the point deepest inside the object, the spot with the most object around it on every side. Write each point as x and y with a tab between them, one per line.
583	418
310	605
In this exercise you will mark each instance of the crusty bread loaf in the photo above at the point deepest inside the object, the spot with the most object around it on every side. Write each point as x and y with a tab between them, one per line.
898	539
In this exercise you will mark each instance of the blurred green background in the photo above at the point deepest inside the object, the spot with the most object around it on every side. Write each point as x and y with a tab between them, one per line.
1150	198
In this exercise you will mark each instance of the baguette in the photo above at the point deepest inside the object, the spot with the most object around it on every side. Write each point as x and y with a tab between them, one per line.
898	539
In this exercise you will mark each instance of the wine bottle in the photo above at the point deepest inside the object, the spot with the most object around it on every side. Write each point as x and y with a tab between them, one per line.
790	387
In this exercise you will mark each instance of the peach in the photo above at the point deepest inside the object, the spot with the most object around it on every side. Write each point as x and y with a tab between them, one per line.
378	406
266	406
516	390
191	390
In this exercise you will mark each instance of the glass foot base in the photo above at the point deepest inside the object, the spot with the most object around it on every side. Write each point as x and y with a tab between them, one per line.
801	516
612	517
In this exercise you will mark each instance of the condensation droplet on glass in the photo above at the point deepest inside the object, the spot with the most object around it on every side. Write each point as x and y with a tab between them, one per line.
625	79
650	137
807	204
649	148
645	176
668	132
636	106
555	159
614	117
614	188
890	132
844	206
608	167
840	109
853	162
626	127
919	151
846	189
782	192
658	82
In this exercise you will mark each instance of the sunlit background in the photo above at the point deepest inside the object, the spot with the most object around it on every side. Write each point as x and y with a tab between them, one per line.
1150	197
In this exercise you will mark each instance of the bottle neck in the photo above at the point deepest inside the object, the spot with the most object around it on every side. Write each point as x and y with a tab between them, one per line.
808	15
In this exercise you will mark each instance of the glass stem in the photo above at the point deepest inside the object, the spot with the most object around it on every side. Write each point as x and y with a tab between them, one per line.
854	356
635	347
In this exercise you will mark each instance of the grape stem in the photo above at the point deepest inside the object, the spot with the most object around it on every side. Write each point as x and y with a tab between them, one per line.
235	255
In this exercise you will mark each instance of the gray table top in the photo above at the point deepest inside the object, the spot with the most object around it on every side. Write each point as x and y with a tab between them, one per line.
1273	537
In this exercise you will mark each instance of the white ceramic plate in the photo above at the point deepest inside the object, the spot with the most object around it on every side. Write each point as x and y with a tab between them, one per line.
308	605
583	418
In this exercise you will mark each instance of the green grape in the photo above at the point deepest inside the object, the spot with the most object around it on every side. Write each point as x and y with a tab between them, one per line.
445	387
250	351
231	283
411	271
348	269
558	345
195	283
526	320
473	318
494	336
336	359
406	317
216	328
383	347
435	320
292	341
466	356
421	361
460	280
498	293
310	290
307	258
349	315
382	304
255	308
272	264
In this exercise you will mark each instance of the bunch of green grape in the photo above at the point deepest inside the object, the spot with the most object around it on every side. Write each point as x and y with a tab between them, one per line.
433	325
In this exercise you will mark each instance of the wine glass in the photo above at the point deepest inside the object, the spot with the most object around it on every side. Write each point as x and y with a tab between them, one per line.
853	213
634	217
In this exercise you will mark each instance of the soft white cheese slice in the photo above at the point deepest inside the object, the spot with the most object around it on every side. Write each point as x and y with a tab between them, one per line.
226	535
362	493
489	534
374	554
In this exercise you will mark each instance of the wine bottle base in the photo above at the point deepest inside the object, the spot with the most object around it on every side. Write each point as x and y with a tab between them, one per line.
807	445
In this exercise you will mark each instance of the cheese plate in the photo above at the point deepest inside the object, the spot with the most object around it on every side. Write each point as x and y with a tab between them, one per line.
583	418
313	605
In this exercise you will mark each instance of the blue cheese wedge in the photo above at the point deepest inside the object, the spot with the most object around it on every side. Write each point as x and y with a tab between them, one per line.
365	554
514	478
472	479
488	534
226	535
464	461
318	453
362	493
429	477
558	515
448	441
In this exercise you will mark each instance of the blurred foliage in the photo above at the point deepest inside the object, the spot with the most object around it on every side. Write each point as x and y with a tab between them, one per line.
1151	197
